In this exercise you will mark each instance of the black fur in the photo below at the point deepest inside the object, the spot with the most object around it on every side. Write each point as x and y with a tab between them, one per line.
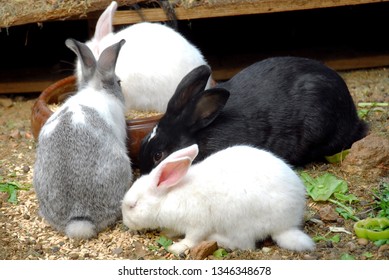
295	107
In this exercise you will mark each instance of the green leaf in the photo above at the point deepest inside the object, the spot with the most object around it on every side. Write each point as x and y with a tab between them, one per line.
350	198
368	255
324	186
339	157
11	188
346	256
220	253
164	242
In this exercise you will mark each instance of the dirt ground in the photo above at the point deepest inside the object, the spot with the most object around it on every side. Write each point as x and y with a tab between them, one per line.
24	235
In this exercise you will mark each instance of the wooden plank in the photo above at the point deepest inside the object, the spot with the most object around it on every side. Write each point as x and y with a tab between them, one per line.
22	12
231	9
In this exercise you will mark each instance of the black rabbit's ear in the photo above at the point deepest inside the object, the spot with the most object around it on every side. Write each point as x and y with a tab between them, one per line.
193	83
86	57
207	107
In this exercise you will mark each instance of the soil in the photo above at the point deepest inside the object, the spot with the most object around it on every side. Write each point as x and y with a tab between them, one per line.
25	235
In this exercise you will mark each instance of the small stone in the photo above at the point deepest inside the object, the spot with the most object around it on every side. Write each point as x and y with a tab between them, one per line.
55	249
26	216
74	256
117	251
266	249
26	168
363	241
351	246
15	134
203	250
383	251
327	213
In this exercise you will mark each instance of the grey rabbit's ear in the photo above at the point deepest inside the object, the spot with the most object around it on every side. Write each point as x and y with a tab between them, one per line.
86	57
107	60
193	83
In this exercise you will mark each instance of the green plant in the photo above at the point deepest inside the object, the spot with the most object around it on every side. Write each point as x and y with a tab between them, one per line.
367	107
329	188
164	242
11	188
333	239
381	203
338	157
220	253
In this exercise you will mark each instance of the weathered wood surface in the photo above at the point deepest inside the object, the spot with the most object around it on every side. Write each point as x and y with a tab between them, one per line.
20	12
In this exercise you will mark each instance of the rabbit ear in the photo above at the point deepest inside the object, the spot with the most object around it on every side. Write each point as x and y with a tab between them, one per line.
172	169
104	23
86	57
190	152
107	60
194	82
207	107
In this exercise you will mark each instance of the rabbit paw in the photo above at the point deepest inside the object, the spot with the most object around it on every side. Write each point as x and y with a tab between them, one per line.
178	248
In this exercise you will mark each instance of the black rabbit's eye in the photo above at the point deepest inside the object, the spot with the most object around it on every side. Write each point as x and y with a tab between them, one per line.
157	156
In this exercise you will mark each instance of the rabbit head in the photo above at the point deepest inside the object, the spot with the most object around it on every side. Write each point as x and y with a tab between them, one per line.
98	74
190	109
148	193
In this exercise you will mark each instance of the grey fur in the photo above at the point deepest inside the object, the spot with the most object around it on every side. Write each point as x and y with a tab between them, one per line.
82	170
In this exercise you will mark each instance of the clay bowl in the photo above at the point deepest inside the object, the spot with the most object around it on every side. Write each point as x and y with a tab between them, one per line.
56	93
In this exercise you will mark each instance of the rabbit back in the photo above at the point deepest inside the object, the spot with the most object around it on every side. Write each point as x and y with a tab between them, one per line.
82	170
151	64
295	107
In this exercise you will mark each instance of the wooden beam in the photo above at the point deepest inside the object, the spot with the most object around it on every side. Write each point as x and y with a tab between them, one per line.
22	12
231	9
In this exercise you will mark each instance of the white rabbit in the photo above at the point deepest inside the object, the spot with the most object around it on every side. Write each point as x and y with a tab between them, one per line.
150	65
236	197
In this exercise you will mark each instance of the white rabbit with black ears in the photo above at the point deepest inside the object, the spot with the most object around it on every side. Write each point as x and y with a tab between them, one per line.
82	168
236	197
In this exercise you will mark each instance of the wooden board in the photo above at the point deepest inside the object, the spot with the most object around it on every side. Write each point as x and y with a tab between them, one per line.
232	9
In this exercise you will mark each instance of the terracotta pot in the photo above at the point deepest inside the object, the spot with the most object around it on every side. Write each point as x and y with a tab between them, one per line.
56	93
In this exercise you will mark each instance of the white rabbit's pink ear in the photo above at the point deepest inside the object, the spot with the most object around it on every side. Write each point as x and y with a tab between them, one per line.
104	24
190	152
170	172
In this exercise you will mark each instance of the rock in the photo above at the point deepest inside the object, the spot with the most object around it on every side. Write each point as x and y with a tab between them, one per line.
117	251
383	251
363	241
368	157
203	250
74	256
327	213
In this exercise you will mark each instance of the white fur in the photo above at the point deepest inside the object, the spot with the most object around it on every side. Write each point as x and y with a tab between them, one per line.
236	197
109	107
152	62
80	230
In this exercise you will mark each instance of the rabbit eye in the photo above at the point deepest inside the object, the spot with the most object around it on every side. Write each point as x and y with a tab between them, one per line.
157	157
119	82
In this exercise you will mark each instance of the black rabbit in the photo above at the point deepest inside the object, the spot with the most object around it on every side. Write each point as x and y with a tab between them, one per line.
298	108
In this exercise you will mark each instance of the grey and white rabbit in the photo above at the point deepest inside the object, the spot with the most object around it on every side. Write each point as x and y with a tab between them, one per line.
152	62
82	169
295	107
236	196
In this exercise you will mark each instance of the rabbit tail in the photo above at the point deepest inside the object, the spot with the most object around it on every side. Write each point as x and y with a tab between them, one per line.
294	239
80	228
